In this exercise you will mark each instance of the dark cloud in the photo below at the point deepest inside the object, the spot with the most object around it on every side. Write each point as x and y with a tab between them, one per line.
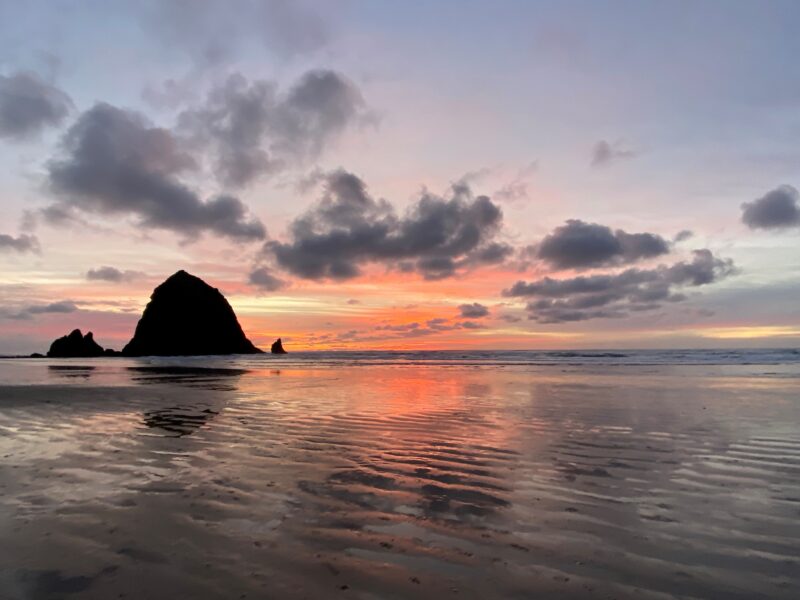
114	163
438	323
580	245
619	294
490	254
347	228
112	274
473	311
510	318
682	236
254	130
264	279
212	32
233	122
28	105
28	312
64	306
21	243
777	209
321	104
605	153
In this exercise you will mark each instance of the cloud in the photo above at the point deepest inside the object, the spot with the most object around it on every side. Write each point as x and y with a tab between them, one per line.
28	312
114	163
64	306
682	236
617	295
438	323
777	209
512	192
212	32
21	243
60	215
384	332
473	311
430	327
580	245
28	105
604	153
437	237
253	129
321	104
112	274
510	318
516	190
474	176
264	279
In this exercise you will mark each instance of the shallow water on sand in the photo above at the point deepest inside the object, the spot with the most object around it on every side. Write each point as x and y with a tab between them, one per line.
139	479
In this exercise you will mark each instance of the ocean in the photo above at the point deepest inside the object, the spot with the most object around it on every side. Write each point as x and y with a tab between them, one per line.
457	474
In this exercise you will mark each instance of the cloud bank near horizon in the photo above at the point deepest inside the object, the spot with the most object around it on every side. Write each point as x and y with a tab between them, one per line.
620	294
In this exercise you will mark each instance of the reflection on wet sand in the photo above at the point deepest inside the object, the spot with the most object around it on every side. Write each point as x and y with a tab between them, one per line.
206	377
401	483
72	371
177	420
116	373
183	420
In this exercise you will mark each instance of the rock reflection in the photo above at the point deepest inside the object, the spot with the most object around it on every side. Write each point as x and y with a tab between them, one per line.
183	420
178	421
72	371
210	377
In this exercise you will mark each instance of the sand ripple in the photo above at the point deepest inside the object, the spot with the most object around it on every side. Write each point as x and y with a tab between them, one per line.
375	482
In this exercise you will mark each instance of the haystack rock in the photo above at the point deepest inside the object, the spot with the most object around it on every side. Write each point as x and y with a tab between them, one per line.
277	347
75	345
185	317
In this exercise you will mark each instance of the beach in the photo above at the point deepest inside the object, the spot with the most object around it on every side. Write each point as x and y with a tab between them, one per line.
485	475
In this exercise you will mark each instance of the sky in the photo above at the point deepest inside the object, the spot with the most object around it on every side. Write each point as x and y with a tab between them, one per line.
418	175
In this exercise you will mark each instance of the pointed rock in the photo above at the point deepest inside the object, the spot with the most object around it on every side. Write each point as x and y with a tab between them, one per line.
185	317
75	345
277	347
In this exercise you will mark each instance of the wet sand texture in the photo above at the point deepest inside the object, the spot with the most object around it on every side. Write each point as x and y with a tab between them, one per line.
416	482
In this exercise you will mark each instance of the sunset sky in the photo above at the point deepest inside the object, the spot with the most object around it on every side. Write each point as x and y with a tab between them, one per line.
367	174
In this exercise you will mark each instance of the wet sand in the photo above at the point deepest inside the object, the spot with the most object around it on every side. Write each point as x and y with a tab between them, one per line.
388	481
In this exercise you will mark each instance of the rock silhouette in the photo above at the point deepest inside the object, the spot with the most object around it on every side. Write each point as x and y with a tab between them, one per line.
185	317
277	347
75	345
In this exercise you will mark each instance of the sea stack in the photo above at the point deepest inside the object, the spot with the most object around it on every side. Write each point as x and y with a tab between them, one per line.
277	347
185	317
75	345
